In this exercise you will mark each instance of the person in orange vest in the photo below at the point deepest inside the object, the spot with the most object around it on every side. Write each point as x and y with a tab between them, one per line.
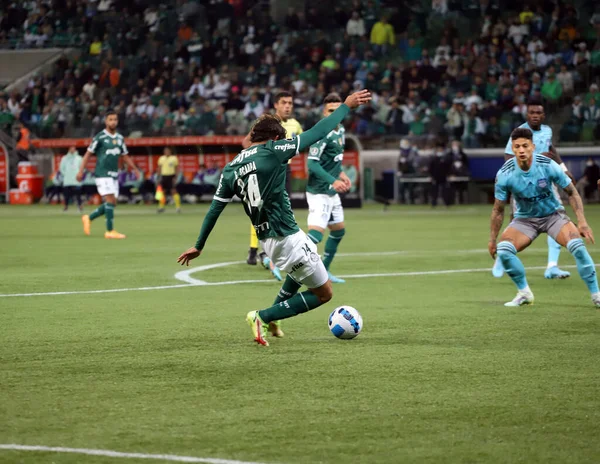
23	141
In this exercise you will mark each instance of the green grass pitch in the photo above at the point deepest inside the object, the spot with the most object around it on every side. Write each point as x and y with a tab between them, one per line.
442	372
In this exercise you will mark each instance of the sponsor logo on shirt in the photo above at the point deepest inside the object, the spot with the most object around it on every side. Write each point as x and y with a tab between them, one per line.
537	198
285	146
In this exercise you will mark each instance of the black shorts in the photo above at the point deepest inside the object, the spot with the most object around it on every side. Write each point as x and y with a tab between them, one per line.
166	182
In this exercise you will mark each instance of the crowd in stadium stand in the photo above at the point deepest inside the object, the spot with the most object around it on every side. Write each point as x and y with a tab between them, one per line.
463	68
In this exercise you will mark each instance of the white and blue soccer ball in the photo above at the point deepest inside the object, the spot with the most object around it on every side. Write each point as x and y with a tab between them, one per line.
345	322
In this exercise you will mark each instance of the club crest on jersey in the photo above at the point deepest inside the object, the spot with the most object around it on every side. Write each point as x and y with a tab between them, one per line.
542	183
114	142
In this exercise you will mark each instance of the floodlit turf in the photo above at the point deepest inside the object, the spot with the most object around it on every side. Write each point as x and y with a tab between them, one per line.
441	373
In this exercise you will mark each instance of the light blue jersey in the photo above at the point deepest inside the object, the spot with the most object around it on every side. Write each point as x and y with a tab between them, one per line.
532	190
542	139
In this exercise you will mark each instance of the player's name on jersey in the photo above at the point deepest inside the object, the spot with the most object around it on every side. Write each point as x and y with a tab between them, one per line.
246	169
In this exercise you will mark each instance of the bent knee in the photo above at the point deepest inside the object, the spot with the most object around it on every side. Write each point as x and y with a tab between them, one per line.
324	293
506	248
326	296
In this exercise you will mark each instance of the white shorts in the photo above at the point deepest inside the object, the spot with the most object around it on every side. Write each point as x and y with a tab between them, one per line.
107	186
297	255
324	210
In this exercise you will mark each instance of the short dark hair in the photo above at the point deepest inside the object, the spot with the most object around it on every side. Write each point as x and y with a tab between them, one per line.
332	98
521	133
110	112
267	127
280	95
535	102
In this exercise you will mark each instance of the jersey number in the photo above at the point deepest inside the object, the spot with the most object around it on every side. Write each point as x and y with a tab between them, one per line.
250	192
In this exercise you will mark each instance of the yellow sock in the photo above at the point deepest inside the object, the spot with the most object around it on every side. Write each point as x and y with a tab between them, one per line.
253	237
177	199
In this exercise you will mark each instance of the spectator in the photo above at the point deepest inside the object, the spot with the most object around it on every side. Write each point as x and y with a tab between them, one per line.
382	36
407	168
96	47
473	100
439	170
594	93
517	31
566	81
90	88
14	105
551	89
23	141
474	129
577	110
205	181
591	117
587	185
492	137
456	119
254	108
356	25
69	167
394	120
459	168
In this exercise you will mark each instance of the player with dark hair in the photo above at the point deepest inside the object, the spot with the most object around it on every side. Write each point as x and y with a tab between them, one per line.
326	181
542	138
257	176
284	106
107	146
530	178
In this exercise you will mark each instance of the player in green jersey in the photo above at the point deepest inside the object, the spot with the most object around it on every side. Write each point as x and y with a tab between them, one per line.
107	146
257	176
325	181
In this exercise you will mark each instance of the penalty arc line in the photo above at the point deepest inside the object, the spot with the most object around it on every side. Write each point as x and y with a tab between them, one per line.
119	454
201	283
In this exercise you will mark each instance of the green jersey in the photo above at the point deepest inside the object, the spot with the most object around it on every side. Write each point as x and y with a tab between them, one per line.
325	162
257	177
107	148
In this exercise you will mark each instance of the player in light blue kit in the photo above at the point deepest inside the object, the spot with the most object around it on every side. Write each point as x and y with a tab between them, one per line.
542	138
530	178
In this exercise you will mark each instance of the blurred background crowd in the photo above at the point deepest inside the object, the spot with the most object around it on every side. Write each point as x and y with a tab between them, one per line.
459	68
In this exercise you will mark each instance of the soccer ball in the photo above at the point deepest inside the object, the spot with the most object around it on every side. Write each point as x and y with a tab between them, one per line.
345	322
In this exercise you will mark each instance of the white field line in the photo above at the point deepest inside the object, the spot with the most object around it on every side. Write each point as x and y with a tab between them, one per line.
119	454
260	281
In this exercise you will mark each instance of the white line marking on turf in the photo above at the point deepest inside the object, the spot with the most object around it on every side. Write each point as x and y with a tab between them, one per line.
261	281
184	276
119	454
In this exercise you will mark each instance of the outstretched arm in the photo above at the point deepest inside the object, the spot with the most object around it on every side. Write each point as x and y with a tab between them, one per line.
215	210
496	221
577	205
326	125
